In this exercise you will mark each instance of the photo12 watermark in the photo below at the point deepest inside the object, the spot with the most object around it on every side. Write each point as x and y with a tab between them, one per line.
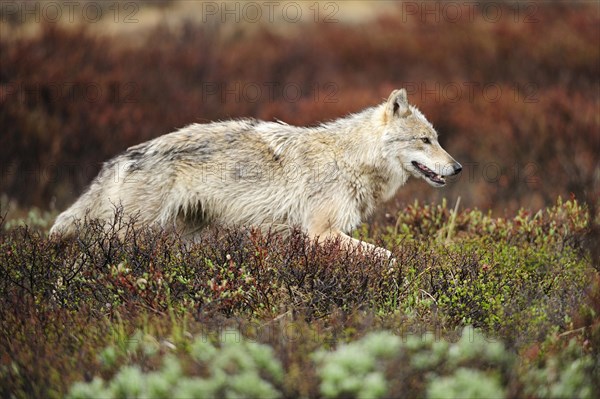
490	12
258	92
270	11
292	332
470	91
256	172
53	12
62	92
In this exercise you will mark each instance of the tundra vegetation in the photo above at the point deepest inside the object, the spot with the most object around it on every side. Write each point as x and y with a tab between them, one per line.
474	306
496	297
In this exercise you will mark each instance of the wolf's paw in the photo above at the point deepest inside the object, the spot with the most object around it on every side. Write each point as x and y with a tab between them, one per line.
385	254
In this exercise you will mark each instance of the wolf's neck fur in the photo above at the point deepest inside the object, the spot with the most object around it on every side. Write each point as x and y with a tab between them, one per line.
359	142
359	137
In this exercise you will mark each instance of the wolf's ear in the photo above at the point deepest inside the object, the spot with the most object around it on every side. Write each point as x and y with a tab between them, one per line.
397	104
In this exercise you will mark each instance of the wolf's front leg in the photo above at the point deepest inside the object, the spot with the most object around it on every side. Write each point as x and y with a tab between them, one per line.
365	246
352	242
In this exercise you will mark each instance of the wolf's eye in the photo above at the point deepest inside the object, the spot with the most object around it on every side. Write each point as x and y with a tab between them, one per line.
426	140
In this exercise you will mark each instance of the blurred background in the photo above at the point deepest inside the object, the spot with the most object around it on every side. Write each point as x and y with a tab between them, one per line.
512	87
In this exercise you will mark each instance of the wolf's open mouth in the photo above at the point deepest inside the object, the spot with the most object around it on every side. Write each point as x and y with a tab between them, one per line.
430	174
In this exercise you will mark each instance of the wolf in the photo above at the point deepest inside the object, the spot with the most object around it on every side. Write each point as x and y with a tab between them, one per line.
324	179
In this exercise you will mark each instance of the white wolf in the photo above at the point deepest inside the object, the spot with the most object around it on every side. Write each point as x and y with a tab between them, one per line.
325	179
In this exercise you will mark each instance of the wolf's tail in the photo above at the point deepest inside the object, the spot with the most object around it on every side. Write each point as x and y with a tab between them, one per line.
66	223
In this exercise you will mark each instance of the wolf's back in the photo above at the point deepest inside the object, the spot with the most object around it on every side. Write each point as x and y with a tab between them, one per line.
151	181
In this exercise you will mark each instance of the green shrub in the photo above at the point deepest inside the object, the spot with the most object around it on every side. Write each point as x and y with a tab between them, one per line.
465	383
356	369
569	373
368	367
236	368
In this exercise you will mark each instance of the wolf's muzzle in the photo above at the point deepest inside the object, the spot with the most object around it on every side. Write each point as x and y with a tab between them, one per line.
457	168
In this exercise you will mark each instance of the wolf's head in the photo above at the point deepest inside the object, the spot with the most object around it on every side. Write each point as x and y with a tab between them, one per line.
412	142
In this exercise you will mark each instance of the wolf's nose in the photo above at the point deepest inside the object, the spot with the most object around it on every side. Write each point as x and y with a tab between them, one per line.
457	168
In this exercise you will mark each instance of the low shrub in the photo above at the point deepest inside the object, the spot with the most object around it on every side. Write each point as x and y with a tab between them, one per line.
70	307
